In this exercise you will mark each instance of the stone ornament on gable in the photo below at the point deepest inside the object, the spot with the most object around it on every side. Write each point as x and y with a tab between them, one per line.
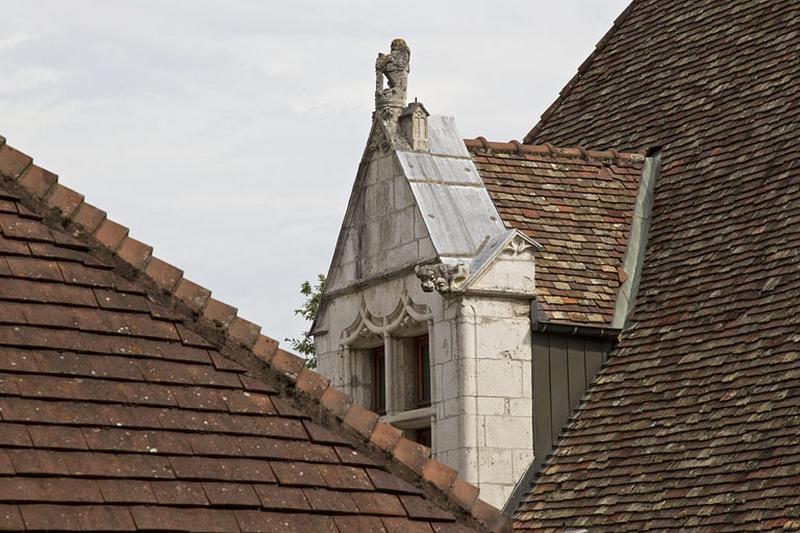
392	68
379	140
395	125
441	277
517	246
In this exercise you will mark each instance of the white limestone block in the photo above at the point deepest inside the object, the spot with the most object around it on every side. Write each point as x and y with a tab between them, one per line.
508	431
494	465
499	377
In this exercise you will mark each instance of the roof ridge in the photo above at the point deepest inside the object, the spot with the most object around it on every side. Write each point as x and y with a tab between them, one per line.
480	144
581	71
69	208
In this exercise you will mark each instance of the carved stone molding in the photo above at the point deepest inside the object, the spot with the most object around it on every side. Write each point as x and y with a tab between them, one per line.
368	326
441	277
517	246
380	139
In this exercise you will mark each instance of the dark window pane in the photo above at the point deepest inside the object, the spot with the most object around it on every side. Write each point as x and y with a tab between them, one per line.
422	436
378	381
423	371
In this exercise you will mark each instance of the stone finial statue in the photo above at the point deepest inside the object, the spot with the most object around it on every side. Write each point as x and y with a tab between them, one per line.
394	67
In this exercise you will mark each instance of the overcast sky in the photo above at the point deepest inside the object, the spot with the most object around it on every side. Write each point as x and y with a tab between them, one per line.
227	134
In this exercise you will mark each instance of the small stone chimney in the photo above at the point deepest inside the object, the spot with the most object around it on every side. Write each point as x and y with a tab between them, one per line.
414	126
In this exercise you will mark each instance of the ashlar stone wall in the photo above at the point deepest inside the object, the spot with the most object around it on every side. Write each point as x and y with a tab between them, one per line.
483	395
383	230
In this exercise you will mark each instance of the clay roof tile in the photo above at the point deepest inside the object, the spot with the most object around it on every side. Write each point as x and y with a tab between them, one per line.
116	372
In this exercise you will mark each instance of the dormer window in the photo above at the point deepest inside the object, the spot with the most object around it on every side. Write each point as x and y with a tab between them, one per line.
411	382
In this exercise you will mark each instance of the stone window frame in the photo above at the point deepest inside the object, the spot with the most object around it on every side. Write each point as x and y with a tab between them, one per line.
396	331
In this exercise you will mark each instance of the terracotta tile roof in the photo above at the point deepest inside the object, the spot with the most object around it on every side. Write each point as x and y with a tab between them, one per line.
132	400
694	424
578	205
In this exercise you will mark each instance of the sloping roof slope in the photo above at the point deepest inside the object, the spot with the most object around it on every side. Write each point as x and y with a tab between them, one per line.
131	400
695	422
578	205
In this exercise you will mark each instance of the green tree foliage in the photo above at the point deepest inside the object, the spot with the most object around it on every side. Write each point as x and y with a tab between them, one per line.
305	344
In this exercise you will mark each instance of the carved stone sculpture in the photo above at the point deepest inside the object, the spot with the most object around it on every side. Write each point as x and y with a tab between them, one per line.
392	68
516	247
440	277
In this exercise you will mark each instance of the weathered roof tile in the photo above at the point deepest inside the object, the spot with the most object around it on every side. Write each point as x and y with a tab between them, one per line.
693	425
134	401
580	214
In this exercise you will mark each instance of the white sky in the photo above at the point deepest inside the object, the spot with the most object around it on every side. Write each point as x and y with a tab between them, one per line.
227	134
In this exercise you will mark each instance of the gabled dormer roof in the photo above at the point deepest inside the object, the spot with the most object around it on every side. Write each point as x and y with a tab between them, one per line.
444	202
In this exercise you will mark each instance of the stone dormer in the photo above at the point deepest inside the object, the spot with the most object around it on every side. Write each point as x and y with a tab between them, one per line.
471	295
423	256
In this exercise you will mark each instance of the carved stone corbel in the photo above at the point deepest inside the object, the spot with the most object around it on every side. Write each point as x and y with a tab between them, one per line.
441	277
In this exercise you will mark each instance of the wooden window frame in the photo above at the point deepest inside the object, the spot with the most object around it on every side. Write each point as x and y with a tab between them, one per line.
419	343
378	378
